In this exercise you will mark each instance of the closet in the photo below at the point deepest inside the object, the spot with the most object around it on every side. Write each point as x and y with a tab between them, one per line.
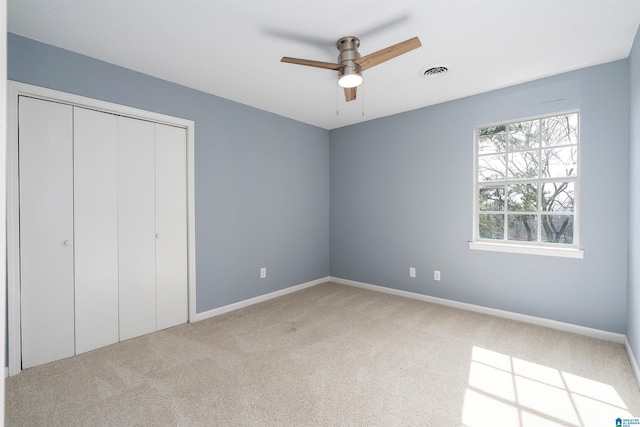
103	228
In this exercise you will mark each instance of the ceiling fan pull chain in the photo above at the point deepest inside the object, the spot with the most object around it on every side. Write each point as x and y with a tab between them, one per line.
362	99
337	100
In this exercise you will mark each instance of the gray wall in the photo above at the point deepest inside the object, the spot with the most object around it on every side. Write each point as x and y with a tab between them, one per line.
261	180
633	322
401	191
402	196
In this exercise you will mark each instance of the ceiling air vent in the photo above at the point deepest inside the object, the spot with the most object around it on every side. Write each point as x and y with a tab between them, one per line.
434	71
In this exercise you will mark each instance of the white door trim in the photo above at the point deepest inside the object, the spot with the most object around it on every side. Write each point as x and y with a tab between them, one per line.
16	89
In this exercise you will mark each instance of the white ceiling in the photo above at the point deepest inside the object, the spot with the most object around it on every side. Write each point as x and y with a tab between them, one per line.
232	48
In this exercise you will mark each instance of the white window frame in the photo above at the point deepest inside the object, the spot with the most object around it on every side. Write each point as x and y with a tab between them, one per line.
538	247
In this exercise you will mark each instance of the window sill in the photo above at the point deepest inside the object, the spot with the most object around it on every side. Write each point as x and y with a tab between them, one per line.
531	250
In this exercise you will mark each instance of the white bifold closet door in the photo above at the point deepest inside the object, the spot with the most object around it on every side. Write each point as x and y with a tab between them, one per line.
103	228
96	228
171	225
46	231
152	226
136	227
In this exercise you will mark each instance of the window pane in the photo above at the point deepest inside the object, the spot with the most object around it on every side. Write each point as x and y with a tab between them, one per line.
523	197
491	198
492	140
560	130
558	196
557	229
560	162
491	168
523	228
524	135
523	165
527	180
491	226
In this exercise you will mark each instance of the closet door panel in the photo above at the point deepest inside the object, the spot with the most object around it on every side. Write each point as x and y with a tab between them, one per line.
46	231
136	227
171	225
96	228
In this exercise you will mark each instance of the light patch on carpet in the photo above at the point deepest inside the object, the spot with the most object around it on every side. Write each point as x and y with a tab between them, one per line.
505	390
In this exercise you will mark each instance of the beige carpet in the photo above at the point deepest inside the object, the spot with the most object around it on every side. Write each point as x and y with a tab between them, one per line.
334	355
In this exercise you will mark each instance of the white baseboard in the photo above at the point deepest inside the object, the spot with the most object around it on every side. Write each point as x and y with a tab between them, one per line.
632	361
540	321
553	324
241	304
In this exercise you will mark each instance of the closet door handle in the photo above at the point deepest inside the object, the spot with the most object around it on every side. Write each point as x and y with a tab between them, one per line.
67	243
158	236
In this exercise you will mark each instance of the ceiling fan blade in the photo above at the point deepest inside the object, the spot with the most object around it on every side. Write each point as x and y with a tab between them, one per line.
310	63
350	93
380	27
391	52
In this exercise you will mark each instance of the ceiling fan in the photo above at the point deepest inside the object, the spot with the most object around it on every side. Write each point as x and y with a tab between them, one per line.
351	65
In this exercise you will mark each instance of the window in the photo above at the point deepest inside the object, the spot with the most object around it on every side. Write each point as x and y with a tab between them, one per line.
527	183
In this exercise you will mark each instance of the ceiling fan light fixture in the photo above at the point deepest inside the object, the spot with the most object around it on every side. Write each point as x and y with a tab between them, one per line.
350	76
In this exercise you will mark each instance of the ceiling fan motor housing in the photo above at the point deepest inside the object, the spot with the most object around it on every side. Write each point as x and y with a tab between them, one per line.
348	47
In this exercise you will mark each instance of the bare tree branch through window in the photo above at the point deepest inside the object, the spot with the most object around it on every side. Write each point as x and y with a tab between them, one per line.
527	175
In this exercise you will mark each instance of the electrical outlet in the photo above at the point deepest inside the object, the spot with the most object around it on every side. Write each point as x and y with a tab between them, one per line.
263	272
412	272
436	275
